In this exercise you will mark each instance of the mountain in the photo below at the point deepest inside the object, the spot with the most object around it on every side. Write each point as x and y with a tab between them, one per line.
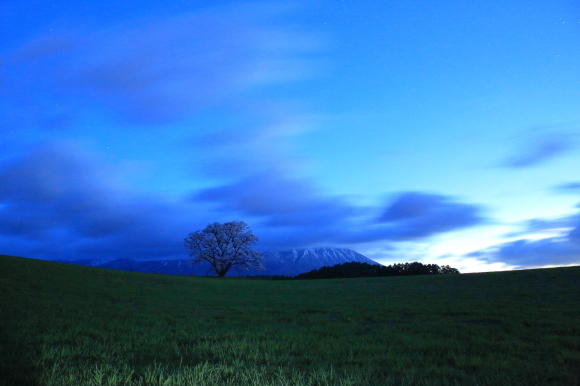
297	261
289	263
168	267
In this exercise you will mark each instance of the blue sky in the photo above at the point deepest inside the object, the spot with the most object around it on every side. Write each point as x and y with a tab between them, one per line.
444	132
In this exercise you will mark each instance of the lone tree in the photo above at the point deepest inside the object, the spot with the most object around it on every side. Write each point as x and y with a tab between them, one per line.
225	246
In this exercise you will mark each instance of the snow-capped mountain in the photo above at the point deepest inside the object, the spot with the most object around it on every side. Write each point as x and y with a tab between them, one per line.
289	263
297	261
87	262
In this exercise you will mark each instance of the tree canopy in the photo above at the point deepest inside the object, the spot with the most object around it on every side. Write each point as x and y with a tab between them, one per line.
225	246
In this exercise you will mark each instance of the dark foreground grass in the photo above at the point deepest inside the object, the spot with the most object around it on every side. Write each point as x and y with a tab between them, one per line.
71	325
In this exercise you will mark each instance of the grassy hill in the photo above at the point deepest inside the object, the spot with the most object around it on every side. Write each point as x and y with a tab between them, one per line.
72	325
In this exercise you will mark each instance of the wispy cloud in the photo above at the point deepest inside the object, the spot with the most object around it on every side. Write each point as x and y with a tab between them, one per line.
542	242
568	187
555	226
156	71
532	253
414	215
542	144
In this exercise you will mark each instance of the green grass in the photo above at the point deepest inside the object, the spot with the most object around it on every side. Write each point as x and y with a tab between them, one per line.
71	325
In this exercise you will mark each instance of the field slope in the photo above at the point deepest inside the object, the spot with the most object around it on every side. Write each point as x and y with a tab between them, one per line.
72	325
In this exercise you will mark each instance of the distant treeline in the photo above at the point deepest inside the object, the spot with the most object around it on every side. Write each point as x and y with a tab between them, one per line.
355	269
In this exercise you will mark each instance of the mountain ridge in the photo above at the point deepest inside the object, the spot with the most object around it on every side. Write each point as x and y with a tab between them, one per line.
289	263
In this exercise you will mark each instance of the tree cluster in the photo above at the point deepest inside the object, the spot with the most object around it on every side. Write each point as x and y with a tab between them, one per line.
356	269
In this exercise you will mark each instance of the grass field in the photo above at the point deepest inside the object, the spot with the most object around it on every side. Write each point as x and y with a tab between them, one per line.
72	325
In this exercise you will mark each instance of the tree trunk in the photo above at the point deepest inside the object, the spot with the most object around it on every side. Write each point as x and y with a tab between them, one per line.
222	272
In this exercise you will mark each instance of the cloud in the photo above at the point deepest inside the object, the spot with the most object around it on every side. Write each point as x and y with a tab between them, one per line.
543	144
289	211
161	71
415	214
294	205
155	71
557	226
60	201
533	253
569	187
574	235
546	242
283	200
